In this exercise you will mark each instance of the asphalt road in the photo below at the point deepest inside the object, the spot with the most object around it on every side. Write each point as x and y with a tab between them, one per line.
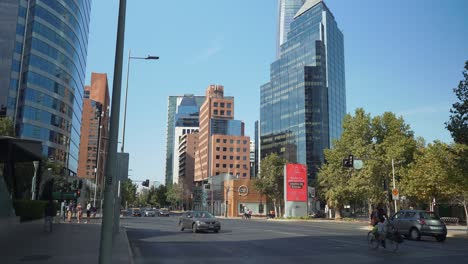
157	240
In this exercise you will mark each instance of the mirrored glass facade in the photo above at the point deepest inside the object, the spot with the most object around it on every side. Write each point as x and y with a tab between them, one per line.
47	74
181	116
303	104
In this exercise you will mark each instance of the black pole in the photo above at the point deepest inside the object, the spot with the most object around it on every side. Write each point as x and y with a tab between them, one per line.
105	249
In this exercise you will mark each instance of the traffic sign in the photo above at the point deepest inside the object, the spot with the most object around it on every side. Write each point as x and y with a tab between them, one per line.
395	194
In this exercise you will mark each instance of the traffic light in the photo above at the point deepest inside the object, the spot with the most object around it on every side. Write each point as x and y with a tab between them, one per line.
145	183
78	193
349	162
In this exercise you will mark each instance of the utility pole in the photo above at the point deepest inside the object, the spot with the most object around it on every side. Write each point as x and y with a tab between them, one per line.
105	249
393	170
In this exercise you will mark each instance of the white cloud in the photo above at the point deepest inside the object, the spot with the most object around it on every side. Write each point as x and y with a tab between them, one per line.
214	48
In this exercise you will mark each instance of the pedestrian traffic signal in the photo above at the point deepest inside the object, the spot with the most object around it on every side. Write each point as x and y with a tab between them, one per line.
349	162
78	193
145	183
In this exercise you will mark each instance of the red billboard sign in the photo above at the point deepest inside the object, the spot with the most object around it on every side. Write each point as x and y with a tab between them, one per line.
296	183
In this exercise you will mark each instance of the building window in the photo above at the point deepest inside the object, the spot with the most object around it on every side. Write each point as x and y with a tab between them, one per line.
217	156
228	105
217	173
231	157
224	157
215	112
217	148
218	140
228	113
215	104
231	141
238	158
244	166
224	149
231	166
245	142
244	158
231	149
222	112
224	140
238	141
222	104
238	166
245	174
224	165
238	149
217	165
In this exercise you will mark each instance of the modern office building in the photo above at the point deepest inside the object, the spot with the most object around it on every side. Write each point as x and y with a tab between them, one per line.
222	147
252	160
172	110
43	48
187	148
257	148
303	105
94	129
286	11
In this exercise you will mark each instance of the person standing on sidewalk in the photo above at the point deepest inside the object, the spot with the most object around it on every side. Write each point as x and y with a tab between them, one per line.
69	212
88	212
79	212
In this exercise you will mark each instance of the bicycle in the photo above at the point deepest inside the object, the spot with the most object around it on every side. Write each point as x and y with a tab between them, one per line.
48	224
391	239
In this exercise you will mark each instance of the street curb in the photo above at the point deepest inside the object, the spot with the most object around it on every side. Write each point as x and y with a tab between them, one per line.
130	251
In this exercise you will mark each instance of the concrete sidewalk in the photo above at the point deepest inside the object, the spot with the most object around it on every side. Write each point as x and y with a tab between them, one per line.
68	243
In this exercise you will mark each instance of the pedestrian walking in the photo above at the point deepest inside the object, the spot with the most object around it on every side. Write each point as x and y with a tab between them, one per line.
88	212
79	212
69	212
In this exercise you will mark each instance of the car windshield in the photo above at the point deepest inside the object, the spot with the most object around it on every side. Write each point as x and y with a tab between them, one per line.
429	216
202	215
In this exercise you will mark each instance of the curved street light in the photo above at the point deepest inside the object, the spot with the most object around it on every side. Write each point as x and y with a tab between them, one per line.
149	57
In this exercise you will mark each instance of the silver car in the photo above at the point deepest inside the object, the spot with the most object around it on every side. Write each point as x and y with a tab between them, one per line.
150	212
199	221
417	223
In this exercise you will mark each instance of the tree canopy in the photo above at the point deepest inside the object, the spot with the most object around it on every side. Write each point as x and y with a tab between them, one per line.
6	127
458	124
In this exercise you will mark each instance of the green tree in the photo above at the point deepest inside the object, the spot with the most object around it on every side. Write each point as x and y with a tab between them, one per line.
428	177
376	141
161	197
271	180
458	124
129	193
6	127
175	194
459	176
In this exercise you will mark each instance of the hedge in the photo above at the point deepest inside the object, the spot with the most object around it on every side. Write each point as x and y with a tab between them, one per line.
29	210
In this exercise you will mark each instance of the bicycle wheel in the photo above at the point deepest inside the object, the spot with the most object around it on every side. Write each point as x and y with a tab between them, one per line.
392	245
372	240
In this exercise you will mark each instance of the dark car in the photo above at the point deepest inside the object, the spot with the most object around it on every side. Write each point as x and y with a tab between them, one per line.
199	221
136	212
417	223
163	212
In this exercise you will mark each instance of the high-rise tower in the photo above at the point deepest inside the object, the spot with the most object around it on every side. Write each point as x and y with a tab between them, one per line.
43	48
302	107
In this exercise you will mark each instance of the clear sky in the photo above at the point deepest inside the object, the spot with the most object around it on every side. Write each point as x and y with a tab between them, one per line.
401	56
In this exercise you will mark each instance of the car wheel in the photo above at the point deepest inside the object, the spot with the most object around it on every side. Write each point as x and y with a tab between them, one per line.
414	234
216	230
194	228
181	227
441	238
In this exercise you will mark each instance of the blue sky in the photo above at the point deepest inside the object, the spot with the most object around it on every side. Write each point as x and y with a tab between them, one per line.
400	56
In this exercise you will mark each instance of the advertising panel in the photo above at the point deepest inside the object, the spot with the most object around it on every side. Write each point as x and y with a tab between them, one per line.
296	183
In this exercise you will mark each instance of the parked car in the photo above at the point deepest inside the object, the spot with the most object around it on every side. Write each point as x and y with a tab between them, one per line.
136	212
150	212
417	223
163	212
199	221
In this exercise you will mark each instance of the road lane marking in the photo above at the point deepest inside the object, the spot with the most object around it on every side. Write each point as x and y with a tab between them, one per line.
286	233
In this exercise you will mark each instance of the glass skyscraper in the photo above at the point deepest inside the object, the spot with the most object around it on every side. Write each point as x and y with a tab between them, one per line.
42	72
303	105
286	11
181	111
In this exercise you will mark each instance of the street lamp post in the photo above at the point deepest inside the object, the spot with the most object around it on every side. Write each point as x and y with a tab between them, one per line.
149	57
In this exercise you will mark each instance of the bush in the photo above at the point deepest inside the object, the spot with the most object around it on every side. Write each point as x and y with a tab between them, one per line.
29	210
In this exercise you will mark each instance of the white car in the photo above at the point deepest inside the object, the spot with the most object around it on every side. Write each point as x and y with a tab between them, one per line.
150	213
